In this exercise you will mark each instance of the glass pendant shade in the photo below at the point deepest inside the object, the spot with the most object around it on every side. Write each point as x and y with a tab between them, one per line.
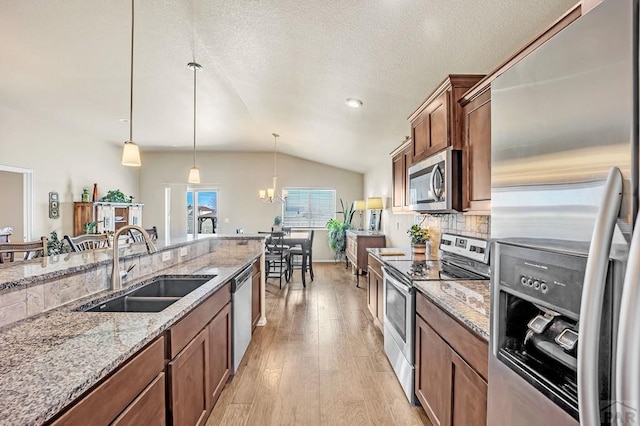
131	155
263	194
194	175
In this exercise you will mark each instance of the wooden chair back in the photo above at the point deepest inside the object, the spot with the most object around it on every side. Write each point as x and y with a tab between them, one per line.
88	242
29	250
135	236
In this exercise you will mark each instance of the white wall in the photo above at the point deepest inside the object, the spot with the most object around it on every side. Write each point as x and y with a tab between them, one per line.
11	212
65	157
238	176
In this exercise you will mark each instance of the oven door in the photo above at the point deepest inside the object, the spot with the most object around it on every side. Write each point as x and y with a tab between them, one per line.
399	314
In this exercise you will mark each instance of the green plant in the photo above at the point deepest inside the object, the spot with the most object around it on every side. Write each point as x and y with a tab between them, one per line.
116	196
419	234
338	230
277	221
91	227
56	246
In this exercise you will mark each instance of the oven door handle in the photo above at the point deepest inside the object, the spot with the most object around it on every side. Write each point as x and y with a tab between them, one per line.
396	282
592	298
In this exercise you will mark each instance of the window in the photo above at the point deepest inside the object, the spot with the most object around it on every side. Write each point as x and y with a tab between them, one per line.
308	207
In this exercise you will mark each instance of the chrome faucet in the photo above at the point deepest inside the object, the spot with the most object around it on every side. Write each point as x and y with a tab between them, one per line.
116	277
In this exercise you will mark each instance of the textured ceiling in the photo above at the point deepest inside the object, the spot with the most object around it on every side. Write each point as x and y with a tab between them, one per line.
285	66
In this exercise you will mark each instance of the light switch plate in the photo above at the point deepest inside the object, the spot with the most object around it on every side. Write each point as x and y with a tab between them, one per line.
166	255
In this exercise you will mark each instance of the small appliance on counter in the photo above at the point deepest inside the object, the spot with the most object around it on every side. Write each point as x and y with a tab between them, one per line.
463	258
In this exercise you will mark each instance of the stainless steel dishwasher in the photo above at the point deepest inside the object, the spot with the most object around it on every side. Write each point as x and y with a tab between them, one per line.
241	314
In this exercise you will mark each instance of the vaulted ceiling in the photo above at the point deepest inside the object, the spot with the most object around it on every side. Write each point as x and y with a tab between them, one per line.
269	65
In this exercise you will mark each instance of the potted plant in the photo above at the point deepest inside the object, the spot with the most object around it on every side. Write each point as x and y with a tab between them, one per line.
55	246
277	224
337	234
419	238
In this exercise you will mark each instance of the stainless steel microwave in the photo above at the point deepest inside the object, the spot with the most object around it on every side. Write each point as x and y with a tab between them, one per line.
435	183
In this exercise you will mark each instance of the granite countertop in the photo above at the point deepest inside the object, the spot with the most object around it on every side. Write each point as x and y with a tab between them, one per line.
22	273
51	359
466	301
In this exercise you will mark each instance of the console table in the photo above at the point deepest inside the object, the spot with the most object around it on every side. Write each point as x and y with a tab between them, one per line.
357	244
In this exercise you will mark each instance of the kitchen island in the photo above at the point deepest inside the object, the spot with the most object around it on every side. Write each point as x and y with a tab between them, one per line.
52	358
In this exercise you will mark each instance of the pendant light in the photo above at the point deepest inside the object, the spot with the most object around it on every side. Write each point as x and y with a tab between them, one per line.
270	195
131	153
194	172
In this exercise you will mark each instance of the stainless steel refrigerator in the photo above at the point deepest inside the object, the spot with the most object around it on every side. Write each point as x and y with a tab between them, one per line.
565	323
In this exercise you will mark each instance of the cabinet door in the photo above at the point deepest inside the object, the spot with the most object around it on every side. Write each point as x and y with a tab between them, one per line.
82	214
398	171
135	215
105	215
405	177
420	135
477	153
255	299
352	249
189	375
433	373
372	293
438	112
148	408
469	395
219	330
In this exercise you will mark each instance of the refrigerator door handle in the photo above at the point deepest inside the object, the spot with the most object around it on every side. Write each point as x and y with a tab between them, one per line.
592	298
628	346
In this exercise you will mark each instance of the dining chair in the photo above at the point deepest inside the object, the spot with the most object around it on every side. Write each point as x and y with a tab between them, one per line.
136	236
276	258
30	250
301	257
88	242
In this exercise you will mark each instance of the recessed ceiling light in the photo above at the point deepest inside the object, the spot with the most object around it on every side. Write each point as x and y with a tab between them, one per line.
354	103
123	120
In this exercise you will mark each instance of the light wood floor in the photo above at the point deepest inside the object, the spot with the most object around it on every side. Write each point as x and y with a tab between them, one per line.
318	361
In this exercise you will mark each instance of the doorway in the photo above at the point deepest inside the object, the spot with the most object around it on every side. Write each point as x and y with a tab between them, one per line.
16	209
202	211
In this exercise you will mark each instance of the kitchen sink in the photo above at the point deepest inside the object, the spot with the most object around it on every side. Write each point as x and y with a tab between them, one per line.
154	296
127	303
170	287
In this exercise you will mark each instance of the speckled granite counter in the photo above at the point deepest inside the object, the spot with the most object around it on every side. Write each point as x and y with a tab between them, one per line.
466	301
22	273
51	359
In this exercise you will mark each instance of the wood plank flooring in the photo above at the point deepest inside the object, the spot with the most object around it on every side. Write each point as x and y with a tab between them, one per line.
318	361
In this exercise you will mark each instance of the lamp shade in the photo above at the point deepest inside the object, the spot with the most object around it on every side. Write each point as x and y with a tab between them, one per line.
359	205
131	155
374	203
194	175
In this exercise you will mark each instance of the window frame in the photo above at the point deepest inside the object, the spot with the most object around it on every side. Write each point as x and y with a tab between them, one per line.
309	189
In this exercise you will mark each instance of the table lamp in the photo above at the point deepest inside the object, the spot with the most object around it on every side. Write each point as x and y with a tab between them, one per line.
360	206
374	204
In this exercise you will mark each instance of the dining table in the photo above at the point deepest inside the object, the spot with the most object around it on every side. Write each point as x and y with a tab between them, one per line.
294	238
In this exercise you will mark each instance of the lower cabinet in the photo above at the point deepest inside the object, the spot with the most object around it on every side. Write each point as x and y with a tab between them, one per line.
220	360
451	391
255	295
375	291
189	375
131	395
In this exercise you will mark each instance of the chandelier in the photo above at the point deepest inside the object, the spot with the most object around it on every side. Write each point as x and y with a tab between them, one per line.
270	195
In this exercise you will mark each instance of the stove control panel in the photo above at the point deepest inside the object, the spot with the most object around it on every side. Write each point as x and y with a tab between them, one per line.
471	248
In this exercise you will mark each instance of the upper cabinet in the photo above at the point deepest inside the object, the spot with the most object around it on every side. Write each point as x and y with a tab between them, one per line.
436	124
401	161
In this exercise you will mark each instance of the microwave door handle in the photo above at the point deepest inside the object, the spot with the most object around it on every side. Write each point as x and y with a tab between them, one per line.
432	182
592	299
628	345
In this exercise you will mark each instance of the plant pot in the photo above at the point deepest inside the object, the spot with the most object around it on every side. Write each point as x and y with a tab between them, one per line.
419	248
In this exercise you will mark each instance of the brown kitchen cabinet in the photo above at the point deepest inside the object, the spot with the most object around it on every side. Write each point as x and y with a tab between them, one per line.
401	161
437	123
375	290
133	392
200	353
476	156
357	243
451	368
255	295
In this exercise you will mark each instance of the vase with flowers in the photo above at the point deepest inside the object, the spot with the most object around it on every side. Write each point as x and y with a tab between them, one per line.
419	238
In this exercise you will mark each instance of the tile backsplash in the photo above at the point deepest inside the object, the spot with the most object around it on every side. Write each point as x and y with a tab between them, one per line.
456	223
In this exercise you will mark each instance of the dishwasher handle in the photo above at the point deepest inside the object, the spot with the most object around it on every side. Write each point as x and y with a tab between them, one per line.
241	279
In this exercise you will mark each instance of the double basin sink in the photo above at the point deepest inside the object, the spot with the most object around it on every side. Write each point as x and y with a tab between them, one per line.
154	296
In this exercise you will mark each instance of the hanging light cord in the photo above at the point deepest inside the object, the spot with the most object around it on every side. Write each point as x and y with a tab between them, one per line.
131	77
275	156
195	70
